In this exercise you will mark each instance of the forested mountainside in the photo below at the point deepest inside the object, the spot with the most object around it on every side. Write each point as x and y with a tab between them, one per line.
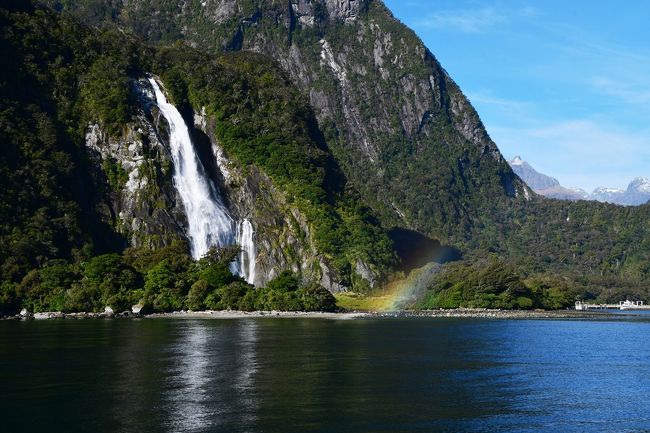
326	126
402	131
404	134
86	169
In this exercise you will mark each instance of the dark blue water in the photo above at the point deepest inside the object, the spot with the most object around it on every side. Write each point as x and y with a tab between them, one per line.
310	375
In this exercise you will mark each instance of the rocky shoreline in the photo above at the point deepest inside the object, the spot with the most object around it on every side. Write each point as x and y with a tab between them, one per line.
474	313
484	313
109	314
51	315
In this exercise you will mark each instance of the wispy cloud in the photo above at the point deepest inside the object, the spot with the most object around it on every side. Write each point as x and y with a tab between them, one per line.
486	98
626	91
472	20
467	21
597	64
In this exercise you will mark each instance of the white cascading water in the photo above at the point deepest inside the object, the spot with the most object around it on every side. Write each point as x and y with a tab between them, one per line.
247	256
209	224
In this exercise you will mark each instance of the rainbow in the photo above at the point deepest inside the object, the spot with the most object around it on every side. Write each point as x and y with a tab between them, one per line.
403	293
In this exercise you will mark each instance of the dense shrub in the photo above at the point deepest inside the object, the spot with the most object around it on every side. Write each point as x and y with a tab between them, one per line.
161	280
486	284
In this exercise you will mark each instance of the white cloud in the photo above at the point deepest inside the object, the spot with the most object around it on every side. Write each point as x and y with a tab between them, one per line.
626	91
472	20
486	98
468	21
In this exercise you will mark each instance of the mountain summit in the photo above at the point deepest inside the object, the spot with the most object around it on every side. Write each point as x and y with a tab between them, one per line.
534	179
637	192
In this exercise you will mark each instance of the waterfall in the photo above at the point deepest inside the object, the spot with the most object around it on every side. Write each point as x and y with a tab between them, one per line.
247	255
209	224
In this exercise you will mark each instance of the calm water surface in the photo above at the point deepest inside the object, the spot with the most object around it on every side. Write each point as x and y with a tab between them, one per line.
312	375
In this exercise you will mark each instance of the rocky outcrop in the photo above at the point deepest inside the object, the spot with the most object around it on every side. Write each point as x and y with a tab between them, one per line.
346	10
136	170
144	206
282	234
311	12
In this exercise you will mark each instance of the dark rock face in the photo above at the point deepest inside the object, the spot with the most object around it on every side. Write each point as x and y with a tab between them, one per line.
145	208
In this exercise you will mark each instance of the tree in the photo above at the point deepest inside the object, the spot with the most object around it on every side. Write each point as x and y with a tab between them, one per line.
286	281
315	297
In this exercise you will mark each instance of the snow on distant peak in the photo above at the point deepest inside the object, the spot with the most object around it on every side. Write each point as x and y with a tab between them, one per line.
641	184
517	160
577	190
607	190
637	193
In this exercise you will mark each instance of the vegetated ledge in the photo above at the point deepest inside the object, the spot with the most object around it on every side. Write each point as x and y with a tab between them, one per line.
466	313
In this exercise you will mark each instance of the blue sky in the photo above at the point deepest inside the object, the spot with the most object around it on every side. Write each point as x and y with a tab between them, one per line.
564	84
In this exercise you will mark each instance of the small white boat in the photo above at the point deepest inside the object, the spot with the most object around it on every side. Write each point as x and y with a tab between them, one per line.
629	305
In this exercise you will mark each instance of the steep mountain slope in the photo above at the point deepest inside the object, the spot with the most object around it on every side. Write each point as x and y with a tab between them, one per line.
533	178
390	114
88	157
402	131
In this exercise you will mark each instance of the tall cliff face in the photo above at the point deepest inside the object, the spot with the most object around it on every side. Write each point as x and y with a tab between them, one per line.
390	113
136	167
282	234
143	205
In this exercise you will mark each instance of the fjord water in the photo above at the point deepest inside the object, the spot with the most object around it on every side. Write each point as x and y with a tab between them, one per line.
314	375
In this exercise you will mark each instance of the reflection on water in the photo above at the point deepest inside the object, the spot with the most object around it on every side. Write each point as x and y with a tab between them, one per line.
293	375
245	376
209	377
188	380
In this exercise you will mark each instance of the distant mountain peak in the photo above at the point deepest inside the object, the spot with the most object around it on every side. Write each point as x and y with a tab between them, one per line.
606	190
534	179
641	184
516	161
637	192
